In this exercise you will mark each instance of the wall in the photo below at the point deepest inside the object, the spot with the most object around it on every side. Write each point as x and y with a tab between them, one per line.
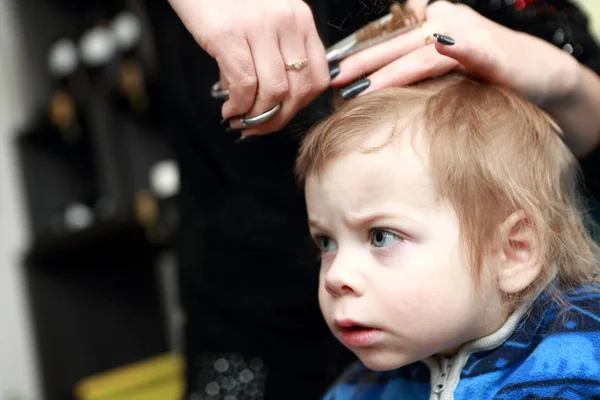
17	366
593	9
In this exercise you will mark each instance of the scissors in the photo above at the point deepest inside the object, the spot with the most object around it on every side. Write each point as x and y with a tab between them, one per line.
399	21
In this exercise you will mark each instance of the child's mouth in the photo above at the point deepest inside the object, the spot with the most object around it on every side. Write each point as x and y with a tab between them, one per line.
356	328
357	335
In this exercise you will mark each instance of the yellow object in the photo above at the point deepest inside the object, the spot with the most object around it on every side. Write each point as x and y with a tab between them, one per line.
159	378
592	9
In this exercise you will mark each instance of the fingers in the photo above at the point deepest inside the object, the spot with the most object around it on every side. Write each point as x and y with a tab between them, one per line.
419	65
416	4
475	53
292	49
273	83
376	57
446	52
304	84
470	44
279	88
237	68
318	66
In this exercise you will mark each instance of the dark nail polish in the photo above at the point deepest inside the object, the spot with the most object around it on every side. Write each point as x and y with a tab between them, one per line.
231	130
334	70
447	40
247	139
354	89
225	121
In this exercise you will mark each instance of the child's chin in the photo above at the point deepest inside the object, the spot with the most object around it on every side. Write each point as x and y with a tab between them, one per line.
382	361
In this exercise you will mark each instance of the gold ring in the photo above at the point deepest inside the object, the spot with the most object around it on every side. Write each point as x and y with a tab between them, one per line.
298	64
426	34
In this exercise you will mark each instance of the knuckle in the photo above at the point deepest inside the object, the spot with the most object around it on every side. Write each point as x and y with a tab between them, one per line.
218	39
237	105
282	13
217	32
247	81
321	82
278	89
360	65
466	14
463	8
305	89
443	6
397	75
429	63
444	9
304	12
210	42
481	39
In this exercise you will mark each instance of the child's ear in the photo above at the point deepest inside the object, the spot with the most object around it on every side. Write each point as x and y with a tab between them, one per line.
520	253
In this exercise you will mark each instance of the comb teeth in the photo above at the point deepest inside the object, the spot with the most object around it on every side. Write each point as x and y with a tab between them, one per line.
400	17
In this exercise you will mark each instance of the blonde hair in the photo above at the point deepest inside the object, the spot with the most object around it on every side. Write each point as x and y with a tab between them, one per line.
491	153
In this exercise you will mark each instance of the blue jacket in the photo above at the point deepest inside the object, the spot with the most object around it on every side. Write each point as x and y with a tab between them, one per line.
543	351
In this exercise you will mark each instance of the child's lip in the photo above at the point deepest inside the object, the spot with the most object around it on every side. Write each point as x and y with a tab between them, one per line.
358	335
345	324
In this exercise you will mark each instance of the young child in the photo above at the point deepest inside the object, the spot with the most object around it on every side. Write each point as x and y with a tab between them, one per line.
455	261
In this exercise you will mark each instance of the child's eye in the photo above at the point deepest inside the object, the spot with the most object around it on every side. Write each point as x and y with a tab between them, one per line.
381	238
326	244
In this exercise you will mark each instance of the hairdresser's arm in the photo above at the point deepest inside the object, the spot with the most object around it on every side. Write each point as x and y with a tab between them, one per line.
252	40
537	69
579	113
553	79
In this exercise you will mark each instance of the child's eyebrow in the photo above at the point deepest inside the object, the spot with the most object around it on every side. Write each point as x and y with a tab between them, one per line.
317	224
369	218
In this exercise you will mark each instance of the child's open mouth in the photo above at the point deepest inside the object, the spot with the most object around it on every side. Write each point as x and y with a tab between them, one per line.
355	334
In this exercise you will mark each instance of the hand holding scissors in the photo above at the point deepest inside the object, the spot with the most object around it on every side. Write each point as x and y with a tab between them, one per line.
269	54
277	114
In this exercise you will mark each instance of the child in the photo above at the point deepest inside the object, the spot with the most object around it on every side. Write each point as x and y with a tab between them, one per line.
455	262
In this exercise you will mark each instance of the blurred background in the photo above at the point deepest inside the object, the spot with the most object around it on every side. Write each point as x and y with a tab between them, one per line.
88	193
88	185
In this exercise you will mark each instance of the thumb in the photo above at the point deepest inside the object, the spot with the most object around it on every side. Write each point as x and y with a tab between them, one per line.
474	53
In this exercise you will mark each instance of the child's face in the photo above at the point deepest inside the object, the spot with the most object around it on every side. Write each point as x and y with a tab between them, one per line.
391	260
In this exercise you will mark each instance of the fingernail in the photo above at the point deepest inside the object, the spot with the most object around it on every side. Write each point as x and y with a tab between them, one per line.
225	121
447	40
334	70
240	139
246	138
231	130
354	89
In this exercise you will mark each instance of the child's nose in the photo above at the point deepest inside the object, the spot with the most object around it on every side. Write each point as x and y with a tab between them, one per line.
343	279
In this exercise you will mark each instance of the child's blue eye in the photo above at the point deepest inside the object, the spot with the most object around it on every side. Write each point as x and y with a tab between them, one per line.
381	238
326	244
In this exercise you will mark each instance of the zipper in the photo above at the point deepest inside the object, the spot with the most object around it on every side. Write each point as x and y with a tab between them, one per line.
438	384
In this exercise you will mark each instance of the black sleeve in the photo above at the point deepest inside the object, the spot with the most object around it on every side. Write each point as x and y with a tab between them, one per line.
559	22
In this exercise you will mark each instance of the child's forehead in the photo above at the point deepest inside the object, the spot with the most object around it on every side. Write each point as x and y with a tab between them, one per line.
392	149
381	167
388	184
404	139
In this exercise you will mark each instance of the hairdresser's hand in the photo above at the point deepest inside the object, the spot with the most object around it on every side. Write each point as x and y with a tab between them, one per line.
252	40
485	49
